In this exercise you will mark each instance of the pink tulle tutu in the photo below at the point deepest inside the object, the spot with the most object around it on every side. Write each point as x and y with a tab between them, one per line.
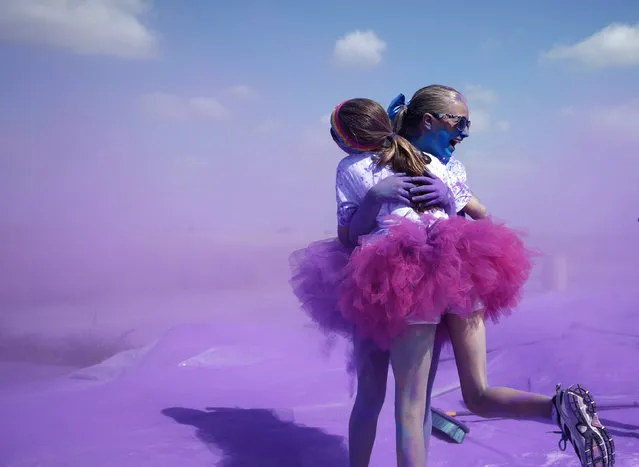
318	272
418	271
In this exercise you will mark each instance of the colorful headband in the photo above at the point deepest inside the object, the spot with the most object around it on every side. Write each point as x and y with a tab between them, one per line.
343	137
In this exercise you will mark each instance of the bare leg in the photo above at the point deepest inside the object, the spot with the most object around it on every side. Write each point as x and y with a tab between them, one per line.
469	344
410	357
372	375
428	417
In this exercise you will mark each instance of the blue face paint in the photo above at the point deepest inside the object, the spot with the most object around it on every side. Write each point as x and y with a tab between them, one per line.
437	143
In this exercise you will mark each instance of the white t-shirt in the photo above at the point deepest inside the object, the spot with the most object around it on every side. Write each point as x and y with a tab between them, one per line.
358	173
458	185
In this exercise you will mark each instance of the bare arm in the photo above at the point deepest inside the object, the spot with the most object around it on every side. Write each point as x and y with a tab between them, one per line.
475	209
362	223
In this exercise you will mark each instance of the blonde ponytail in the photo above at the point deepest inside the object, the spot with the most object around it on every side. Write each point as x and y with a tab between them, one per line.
402	157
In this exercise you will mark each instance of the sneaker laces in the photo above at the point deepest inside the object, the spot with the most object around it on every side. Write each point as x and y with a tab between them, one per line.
563	442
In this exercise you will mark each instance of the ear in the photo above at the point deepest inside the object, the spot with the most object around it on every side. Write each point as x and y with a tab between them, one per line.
427	122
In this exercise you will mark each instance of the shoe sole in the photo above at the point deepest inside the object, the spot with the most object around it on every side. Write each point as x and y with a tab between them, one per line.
598	436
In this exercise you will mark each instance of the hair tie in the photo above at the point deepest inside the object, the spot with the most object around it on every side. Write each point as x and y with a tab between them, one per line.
388	141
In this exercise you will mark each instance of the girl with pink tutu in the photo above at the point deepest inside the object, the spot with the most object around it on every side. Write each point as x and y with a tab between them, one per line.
399	284
322	273
572	409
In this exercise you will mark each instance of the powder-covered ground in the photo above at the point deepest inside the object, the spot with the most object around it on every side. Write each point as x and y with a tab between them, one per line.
256	388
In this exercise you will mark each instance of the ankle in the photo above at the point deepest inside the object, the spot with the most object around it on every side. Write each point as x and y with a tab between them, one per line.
554	415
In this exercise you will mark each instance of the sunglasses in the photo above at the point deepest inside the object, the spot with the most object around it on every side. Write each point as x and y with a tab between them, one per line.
463	124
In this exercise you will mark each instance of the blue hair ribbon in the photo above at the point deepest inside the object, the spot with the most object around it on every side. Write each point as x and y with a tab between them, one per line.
395	106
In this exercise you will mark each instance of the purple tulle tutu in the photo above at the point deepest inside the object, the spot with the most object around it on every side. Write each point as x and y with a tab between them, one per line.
318	272
418	271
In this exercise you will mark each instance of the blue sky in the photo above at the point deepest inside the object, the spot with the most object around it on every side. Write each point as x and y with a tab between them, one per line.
285	52
173	100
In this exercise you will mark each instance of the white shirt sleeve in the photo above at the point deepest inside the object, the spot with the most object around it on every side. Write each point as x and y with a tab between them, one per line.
457	183
352	183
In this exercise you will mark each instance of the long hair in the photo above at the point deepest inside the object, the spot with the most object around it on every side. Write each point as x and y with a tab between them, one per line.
432	99
363	123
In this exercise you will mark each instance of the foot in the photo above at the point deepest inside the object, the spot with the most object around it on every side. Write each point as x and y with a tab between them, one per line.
576	414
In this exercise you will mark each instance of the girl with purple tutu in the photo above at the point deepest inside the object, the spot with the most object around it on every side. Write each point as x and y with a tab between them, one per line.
573	409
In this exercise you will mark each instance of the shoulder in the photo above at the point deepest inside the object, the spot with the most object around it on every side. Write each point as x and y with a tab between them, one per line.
455	163
456	169
356	164
436	167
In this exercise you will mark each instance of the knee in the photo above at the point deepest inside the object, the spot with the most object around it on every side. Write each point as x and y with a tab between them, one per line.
410	414
474	400
410	408
370	399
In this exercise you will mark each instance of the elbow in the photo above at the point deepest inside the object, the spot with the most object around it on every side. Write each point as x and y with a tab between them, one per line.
344	236
346	242
352	240
475	211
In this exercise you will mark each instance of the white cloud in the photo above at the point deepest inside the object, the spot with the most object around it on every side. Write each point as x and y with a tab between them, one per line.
206	107
475	93
480	118
480	121
241	91
326	119
621	120
503	125
616	45
359	50
91	27
177	107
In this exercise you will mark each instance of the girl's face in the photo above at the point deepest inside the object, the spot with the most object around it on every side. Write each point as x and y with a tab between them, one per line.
442	132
